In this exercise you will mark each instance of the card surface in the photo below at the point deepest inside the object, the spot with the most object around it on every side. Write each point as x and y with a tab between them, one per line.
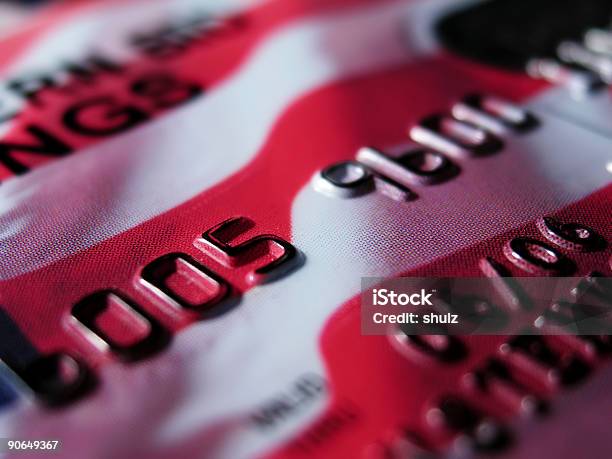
191	193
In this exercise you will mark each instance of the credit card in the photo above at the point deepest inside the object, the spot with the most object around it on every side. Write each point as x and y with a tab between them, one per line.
192	192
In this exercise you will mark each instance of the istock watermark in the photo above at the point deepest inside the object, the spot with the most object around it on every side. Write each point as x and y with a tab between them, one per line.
383	297
487	306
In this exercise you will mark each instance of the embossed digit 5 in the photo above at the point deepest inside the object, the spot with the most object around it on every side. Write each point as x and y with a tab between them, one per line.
216	243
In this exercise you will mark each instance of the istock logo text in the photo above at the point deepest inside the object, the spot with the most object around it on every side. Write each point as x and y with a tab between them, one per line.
384	297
